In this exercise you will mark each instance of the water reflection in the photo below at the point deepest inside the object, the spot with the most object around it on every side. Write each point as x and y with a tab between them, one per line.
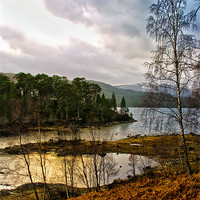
79	171
115	132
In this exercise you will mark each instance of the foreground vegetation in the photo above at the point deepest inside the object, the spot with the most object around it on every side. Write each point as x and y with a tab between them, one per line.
155	186
168	181
158	186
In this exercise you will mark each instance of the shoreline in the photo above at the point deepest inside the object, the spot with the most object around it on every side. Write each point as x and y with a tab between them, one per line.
62	127
142	145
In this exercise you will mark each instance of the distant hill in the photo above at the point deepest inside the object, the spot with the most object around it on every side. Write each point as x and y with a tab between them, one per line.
133	98
142	87
170	89
9	75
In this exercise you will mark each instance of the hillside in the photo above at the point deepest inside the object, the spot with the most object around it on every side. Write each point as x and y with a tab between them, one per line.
143	87
133	98
170	89
9	75
159	186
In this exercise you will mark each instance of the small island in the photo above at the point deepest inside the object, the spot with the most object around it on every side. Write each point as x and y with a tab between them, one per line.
30	101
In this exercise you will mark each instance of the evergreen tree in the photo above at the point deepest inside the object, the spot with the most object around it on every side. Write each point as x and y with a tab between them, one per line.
123	103
123	107
6	93
54	99
114	102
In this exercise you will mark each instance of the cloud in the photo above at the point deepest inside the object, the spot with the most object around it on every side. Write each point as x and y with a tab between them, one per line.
119	59
96	39
19	42
121	24
77	59
116	16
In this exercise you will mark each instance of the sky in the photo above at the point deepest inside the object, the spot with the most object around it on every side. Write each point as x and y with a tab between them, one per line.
102	40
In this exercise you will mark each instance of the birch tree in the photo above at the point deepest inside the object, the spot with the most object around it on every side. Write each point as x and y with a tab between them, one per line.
194	12
174	67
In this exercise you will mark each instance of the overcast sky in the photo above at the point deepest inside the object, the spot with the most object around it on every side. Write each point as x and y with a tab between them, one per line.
102	40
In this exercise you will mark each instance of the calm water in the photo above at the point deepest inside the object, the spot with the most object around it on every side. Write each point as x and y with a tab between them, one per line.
13	170
115	132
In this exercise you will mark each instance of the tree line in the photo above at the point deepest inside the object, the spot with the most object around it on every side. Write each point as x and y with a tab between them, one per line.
55	99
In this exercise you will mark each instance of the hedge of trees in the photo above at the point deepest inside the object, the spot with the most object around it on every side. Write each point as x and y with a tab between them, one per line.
54	99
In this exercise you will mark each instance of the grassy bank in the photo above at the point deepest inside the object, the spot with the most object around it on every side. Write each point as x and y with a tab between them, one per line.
158	186
165	147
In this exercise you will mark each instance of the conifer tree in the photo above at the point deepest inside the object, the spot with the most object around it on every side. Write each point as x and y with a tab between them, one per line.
123	106
114	102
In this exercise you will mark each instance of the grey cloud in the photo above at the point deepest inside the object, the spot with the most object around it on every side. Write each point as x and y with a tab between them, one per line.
8	34
121	24
18	41
77	59
73	10
106	15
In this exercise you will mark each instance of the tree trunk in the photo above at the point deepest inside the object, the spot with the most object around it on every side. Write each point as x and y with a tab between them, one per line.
85	174
66	182
181	117
96	172
30	176
42	161
28	169
78	113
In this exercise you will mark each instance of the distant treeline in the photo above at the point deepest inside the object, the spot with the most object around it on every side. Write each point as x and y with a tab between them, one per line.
53	99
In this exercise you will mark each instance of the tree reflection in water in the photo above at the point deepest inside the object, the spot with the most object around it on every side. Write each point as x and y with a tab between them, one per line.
88	170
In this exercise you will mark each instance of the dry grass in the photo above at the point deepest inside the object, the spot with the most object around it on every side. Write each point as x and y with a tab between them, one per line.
160	186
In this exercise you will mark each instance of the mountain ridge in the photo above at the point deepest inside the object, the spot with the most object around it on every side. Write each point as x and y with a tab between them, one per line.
133	98
163	88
